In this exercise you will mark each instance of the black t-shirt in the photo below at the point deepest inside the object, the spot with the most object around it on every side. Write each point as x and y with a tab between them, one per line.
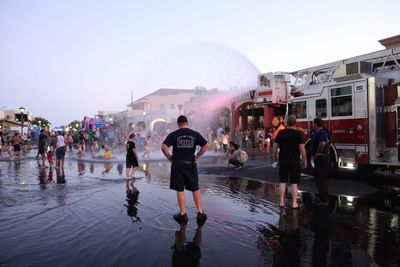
129	149
289	141
184	142
42	140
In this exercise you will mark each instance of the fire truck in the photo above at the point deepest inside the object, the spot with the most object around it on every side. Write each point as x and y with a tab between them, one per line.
358	100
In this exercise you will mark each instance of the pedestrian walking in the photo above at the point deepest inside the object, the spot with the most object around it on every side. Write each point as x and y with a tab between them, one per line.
147	145
320	148
291	145
225	141
131	157
184	167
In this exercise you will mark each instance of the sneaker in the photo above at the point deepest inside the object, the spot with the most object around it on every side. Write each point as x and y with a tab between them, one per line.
201	219
238	167
181	219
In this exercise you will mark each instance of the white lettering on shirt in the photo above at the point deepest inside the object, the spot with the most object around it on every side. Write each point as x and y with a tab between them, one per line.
185	141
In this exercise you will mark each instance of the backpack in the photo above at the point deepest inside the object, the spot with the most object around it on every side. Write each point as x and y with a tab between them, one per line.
243	157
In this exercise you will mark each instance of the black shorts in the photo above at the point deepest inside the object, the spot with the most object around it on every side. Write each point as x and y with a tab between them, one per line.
184	176
17	147
292	170
131	162
41	151
60	153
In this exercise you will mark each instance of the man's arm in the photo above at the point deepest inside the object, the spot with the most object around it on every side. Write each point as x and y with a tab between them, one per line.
320	149
202	151
303	155
165	151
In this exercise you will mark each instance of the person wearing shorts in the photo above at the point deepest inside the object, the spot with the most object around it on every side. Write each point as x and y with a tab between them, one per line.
184	167
131	157
17	143
60	150
291	145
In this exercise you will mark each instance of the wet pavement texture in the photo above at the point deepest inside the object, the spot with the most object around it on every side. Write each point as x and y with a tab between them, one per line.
83	216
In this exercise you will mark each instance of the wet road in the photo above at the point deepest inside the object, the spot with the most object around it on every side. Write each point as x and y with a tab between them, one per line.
83	216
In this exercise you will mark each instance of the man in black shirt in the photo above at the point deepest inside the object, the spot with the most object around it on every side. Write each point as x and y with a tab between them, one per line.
184	167
291	144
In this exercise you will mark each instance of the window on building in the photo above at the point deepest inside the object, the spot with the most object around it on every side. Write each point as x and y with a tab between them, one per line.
172	106
320	108
162	106
300	109
341	100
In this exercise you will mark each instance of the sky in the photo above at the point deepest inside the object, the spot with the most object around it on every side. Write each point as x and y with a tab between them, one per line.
63	60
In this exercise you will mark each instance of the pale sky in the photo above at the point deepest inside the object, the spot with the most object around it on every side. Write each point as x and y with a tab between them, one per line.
66	59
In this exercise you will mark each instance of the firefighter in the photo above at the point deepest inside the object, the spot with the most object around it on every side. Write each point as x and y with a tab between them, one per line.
320	147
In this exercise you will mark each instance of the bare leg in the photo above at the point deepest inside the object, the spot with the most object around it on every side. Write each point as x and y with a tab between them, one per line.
282	189
181	201
197	201
128	173
294	196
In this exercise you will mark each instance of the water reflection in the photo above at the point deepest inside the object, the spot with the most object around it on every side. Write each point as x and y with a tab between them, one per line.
91	167
245	226
132	195
147	171
50	176
60	176
107	167
186	253
81	167
120	168
283	240
320	224
42	176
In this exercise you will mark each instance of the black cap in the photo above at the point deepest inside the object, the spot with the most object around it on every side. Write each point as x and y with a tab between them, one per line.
182	119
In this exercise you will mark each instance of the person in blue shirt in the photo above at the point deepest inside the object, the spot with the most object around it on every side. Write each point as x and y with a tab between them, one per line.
320	147
184	167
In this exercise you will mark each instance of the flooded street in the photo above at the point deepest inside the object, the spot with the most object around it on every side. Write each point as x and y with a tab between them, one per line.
83	216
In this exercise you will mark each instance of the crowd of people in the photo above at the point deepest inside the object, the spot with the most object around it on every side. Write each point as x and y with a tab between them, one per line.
285	138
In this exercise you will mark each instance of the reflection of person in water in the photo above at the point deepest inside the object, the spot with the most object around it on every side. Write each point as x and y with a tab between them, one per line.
42	178
81	167
50	177
120	168
186	253
320	225
132	194
60	176
285	241
107	167
146	170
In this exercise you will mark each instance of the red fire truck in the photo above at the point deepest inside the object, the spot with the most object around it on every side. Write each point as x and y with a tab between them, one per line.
358	99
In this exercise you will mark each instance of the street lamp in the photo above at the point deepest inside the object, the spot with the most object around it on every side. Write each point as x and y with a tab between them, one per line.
22	111
252	95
